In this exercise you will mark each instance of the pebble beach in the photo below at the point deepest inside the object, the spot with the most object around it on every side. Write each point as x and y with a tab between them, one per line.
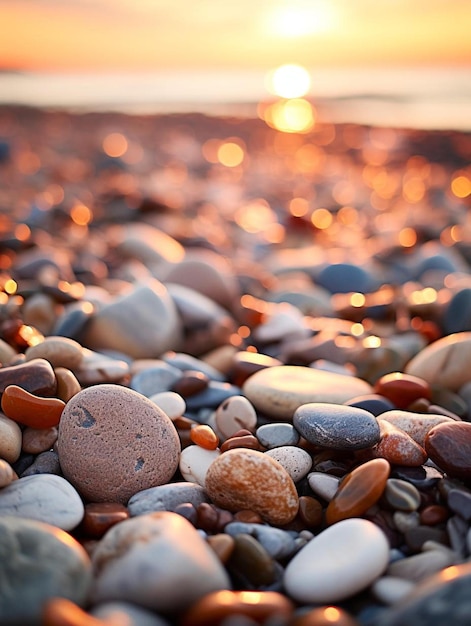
235	372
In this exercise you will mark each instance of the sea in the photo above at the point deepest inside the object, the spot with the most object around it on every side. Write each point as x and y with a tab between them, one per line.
437	98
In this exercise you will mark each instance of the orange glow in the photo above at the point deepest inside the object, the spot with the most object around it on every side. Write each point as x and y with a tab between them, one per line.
115	145
81	214
347	215
275	233
357	329
255	217
298	207
290	116
357	300
210	150
451	235
230	154
289	81
372	342
461	186
22	232
10	286
413	189
332	614
407	237
309	158
321	218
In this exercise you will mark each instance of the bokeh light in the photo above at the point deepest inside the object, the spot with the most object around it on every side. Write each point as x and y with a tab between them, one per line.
289	81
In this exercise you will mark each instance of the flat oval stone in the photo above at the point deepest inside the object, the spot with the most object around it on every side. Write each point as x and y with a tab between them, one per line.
97	368
416	425
166	498
449	446
100	516
43	497
374	403
114	442
10	439
358	491
257	606
37	440
444	362
33	579
59	351
157	378
338	563
277	434
31	410
195	462
401	495
251	563
212	396
402	389
336	426
247	363
397	447
156	551
279	391
277	542
296	461
170	402
323	485
248	479
36	376
233	414
422	565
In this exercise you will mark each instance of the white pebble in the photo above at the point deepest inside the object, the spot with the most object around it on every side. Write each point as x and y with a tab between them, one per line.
296	461
170	402
323	485
194	463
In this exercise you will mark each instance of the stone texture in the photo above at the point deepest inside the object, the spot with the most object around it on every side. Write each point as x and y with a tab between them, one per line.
59	351
159	551
449	446
114	442
248	479
195	462
296	461
402	389
39	562
10	439
166	498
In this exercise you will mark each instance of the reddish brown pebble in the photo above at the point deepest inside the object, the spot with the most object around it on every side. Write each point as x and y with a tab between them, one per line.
402	389
204	436
434	514
67	383
100	516
245	441
190	383
26	408
207	517
223	545
358	491
397	447
258	606
449	446
310	511
37	440
247	363
325	616
36	376
62	612
248	517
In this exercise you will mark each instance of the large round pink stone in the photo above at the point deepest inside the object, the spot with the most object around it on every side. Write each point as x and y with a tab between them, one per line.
114	442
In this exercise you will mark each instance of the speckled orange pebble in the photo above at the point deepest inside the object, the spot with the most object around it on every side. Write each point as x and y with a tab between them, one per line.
358	491
397	447
258	606
30	410
204	436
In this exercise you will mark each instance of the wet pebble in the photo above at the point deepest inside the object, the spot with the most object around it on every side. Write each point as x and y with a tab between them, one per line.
397	447
31	410
36	376
100	516
336	426
45	498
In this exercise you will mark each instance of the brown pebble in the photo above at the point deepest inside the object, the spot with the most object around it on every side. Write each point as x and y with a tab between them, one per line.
100	516
59	351
7	473
402	389
215	607
67	383
247	516
251	563
204	436
245	441
37	440
36	376
29	409
449	446
207	517
310	511
190	383
247	363
434	514
222	544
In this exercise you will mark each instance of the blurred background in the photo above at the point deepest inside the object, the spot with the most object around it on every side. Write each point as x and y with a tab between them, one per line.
388	62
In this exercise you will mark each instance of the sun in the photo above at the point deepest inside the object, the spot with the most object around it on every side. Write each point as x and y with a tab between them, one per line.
289	81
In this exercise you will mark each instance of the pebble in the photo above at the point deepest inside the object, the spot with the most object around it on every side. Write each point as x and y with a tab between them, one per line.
190	382
204	436
97	368
170	402
345	278
296	461
374	403
336	426
358	491
277	434
444	362
278	391
156	551
212	396
416	425
401	495
338	563
125	613
7	474
45	498
59	351
323	485
259	607
34	579
157	378
195	462
419	566
277	542
442	598
402	389
397	447
248	479
449	446
250	564
100	516
390	589
459	501
31	410
310	511
141	324
67	383
37	440
166	498
10	439
44	463
114	442
233	414
36	376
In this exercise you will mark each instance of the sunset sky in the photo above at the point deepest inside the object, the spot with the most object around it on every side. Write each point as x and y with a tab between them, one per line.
149	35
